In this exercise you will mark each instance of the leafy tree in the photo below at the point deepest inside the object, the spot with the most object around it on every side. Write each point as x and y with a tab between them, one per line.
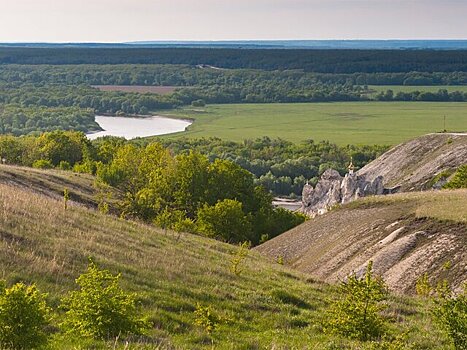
101	309
190	182
226	221
357	313
24	315
60	146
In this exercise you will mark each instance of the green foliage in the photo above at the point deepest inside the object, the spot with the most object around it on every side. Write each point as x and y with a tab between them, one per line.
357	313
24	315
280	260
451	314
238	257
64	165
423	286
225	221
198	103
205	318
459	180
101	309
43	164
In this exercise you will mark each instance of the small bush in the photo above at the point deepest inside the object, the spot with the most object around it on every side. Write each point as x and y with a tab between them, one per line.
205	318
357	313
451	314
423	286
459	180
239	256
42	164
23	316
101	308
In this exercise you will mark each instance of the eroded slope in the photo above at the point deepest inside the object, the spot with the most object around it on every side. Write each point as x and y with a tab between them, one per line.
405	235
413	164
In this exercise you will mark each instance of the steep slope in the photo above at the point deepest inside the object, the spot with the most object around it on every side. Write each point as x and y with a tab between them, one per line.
406	235
413	164
266	306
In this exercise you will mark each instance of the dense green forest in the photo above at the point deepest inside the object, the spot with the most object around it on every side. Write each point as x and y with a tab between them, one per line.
186	75
185	191
324	61
280	166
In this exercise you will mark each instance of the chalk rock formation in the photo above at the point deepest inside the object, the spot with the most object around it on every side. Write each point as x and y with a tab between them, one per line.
333	189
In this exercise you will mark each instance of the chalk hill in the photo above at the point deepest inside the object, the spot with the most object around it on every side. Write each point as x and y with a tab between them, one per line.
406	235
413	164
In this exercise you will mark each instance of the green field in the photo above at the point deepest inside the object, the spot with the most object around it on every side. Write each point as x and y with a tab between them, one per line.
405	88
386	123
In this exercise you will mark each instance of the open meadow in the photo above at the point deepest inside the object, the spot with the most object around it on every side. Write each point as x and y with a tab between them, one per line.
384	123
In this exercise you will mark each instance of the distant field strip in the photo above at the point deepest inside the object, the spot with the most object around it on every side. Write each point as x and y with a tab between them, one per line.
159	90
343	123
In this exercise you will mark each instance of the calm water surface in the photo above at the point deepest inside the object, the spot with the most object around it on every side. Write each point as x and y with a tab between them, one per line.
131	128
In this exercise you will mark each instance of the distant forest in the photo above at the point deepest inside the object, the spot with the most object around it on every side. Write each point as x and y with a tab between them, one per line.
320	61
47	89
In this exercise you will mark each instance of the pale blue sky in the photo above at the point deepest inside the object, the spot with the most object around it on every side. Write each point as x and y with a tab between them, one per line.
130	20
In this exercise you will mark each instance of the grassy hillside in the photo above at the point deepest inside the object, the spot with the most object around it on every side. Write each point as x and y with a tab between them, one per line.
342	123
267	306
405	235
82	187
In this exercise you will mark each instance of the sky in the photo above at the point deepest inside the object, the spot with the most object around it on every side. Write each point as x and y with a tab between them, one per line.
140	20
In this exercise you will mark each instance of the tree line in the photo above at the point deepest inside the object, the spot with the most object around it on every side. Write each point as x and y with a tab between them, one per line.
442	95
312	60
186	75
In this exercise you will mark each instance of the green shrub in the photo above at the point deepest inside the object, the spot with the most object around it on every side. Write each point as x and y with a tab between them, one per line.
198	103
23	316
451	314
64	165
205	318
101	308
357	313
239	256
459	180
423	287
226	221
42	164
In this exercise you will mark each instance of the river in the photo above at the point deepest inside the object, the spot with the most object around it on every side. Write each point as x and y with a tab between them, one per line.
132	127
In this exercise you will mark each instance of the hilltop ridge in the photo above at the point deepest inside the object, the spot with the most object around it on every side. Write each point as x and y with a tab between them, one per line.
413	165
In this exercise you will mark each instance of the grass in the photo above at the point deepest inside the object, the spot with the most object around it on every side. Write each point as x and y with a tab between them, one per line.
375	89
384	123
267	306
440	205
82	188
